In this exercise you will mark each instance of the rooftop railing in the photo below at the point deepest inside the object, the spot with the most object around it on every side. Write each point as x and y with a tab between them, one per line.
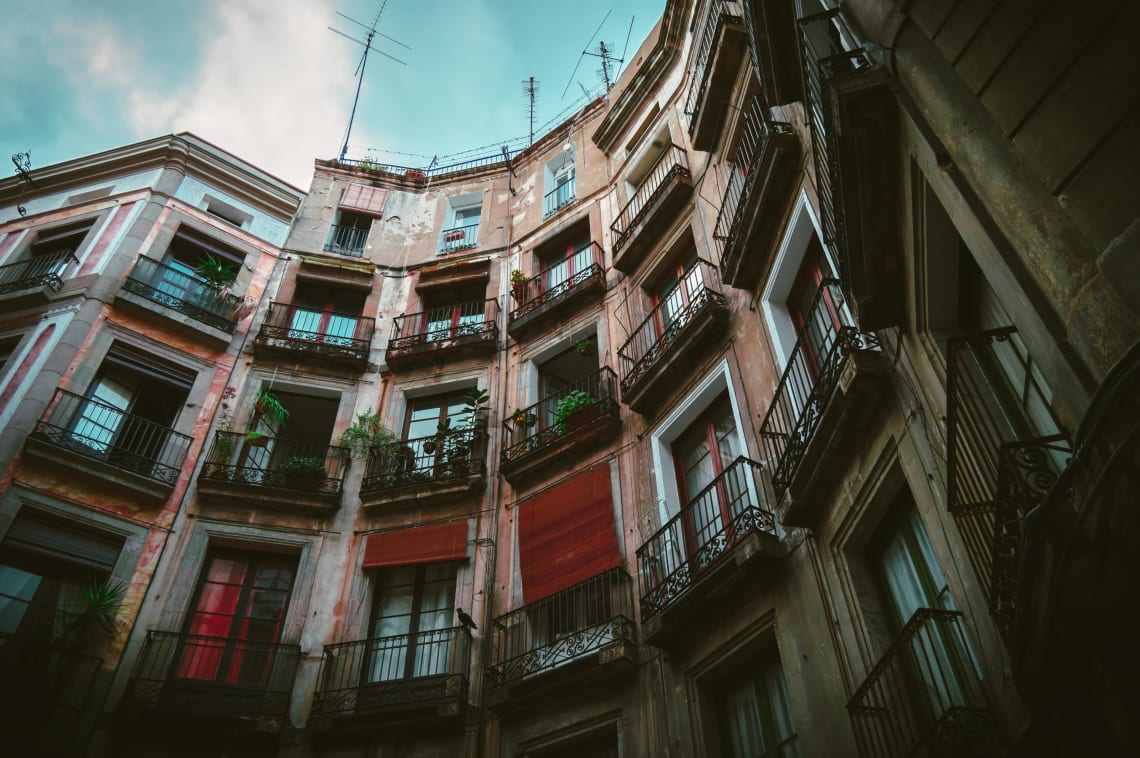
413	172
672	162
558	280
924	697
186	294
369	675
39	271
805	389
104	433
674	560
459	238
324	333
576	406
570	625
257	460
346	240
557	198
478	319
653	337
443	457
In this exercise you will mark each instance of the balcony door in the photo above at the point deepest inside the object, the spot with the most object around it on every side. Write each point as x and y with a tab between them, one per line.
680	290
814	312
239	612
178	277
453	313
560	269
305	433
326	315
413	615
425	416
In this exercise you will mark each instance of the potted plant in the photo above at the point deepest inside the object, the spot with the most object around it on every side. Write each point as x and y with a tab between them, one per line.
256	439
524	418
216	272
518	285
584	347
99	606
365	433
304	472
413	173
568	414
267	406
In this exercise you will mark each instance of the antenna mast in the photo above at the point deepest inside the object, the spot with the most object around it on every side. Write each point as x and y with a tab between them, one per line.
530	89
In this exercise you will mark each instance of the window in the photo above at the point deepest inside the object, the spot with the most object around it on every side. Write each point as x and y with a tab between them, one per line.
413	614
569	370
180	275
238	612
305	433
8	348
815	311
48	257
326	315
452	313
752	709
562	266
61	240
558	178
681	289
349	234
226	212
461	230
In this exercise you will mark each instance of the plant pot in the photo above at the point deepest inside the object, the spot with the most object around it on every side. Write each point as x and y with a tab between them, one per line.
429	448
583	417
260	441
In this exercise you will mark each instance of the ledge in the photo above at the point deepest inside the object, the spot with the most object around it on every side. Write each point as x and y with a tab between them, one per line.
172	317
426	493
427	354
591	435
224	491
547	314
45	451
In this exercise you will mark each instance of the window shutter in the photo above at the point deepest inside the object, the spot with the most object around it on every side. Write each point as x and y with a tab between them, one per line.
422	544
566	535
364	199
56	539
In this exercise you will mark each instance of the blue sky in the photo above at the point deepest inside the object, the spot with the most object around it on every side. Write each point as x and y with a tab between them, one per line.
266	80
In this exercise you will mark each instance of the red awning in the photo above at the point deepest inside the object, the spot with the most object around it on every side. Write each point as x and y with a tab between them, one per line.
364	199
421	544
567	535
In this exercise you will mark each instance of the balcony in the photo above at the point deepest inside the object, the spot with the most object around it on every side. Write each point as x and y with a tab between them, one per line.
924	697
652	209
181	296
48	694
579	418
277	474
87	436
834	377
448	333
579	637
558	198
459	238
709	556
720	51
541	301
851	112
387	683
211	684
1004	453
671	340
426	470
322	336
35	279
760	186
346	240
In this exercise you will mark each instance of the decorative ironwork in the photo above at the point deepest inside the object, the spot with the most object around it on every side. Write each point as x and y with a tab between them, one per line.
545	423
459	238
717	11
371	675
567	626
324	333
676	558
924	697
412	172
39	271
346	240
189	295
104	433
672	163
830	50
1004	452
442	327
260	461
545	289
192	673
558	198
445	457
676	309
824	342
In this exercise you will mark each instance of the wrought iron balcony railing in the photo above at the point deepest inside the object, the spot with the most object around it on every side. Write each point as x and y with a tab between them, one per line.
192	673
445	457
558	198
653	337
569	625
579	405
477	320
459	238
824	342
40	271
324	333
104	433
189	295
925	696
672	162
385	672
346	240
755	134
558	280
830	49
257	460
700	80
675	559
1005	451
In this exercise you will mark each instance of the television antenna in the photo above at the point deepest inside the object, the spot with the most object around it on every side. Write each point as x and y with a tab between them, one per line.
530	89
611	64
23	163
367	44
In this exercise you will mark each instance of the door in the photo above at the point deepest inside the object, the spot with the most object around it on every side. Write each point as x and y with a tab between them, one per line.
412	620
431	456
325	315
557	272
678	293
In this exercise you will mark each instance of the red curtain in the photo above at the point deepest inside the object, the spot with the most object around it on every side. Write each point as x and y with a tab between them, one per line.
421	544
566	535
364	199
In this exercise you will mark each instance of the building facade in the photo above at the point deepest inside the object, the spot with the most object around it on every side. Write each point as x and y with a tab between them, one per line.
782	402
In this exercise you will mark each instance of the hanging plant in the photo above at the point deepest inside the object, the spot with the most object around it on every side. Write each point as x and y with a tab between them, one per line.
267	406
584	347
518	277
365	433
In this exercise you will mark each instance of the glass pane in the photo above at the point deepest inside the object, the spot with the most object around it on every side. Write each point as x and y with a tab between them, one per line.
306	325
